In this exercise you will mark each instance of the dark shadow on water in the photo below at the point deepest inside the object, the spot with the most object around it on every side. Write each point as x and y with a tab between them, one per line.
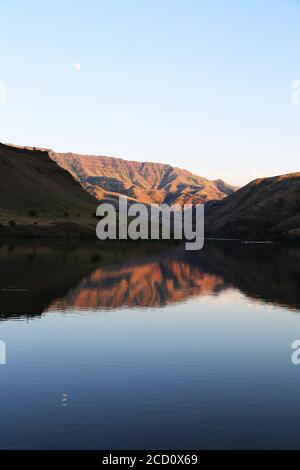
38	278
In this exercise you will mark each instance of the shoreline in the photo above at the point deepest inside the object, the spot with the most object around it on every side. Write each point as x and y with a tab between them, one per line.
74	231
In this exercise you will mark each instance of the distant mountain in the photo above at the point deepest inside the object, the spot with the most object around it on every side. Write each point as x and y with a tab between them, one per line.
34	190
266	208
106	178
41	188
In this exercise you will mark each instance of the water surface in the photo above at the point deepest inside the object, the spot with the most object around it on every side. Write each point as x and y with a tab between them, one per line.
149	347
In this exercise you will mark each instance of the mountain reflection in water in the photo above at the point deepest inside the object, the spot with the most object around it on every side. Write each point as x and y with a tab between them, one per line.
35	279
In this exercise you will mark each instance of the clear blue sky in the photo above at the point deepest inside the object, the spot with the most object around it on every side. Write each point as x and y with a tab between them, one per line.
203	85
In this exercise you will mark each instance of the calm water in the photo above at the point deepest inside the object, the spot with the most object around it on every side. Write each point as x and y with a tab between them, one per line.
149	347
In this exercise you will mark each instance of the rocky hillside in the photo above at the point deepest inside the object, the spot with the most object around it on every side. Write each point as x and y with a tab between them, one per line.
267	208
107	177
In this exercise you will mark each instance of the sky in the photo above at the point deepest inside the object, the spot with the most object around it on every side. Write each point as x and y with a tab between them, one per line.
202	85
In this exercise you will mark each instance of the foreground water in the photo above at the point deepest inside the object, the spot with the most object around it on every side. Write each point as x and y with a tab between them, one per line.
123	347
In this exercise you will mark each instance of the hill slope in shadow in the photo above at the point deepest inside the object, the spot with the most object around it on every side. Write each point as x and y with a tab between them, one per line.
34	190
267	208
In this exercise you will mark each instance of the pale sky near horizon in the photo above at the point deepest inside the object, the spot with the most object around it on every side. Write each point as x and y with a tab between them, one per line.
203	85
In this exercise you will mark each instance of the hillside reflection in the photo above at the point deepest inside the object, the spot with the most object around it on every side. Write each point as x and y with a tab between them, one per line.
149	284
35	279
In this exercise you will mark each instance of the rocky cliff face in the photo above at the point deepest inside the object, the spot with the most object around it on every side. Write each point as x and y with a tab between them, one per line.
107	177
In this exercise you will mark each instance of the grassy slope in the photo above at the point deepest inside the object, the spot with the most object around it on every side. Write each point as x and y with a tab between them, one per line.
35	190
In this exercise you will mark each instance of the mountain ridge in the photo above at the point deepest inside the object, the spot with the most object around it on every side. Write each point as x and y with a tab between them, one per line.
39	186
106	178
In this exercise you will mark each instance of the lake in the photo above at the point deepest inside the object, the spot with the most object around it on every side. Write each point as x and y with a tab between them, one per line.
149	347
